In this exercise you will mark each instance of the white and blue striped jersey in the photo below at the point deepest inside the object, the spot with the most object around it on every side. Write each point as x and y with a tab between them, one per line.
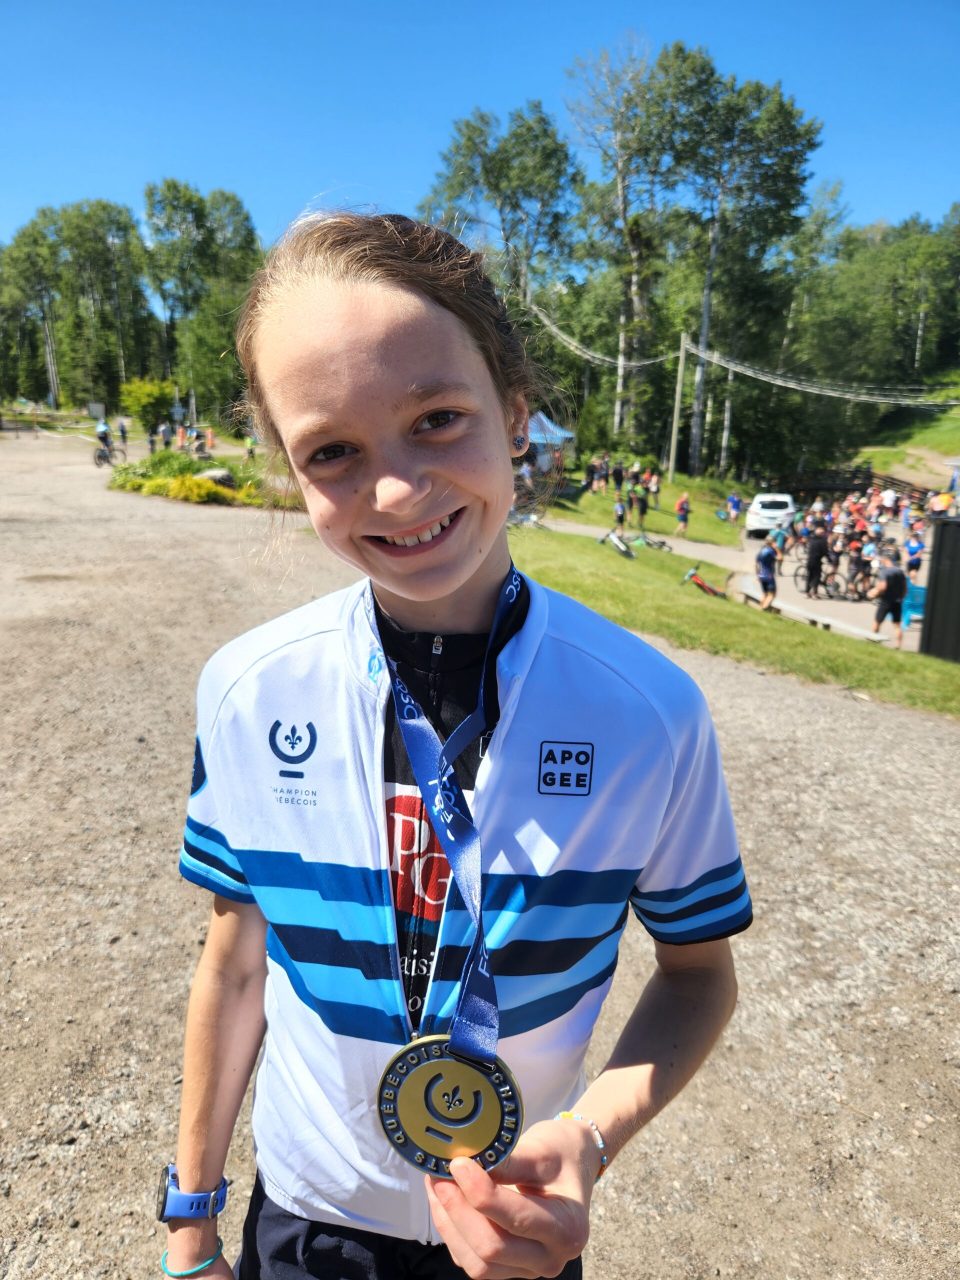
601	789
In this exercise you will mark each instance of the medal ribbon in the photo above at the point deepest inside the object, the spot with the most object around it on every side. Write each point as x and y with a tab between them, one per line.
476	1023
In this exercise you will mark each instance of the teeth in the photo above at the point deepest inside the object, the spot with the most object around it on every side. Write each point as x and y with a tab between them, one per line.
414	540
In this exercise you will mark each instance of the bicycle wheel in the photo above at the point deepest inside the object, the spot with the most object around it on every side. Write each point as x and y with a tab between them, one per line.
117	455
836	585
100	457
801	578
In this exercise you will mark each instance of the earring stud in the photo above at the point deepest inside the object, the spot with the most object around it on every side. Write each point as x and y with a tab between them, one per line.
519	442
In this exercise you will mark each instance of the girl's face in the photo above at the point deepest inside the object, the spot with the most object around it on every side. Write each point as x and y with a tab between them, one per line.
399	443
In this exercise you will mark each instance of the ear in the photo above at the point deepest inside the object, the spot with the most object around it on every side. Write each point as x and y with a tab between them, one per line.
518	426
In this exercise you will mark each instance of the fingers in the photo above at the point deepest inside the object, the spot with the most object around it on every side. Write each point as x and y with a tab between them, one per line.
496	1231
476	1245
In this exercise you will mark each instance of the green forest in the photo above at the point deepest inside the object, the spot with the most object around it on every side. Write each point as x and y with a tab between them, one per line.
681	203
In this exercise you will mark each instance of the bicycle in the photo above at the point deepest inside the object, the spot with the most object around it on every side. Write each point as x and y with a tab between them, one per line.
831	579
109	455
693	575
619	543
648	540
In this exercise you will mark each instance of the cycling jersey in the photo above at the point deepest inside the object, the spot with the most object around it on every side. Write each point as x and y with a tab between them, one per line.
600	789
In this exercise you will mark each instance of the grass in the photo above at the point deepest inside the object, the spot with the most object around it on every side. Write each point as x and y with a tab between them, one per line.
908	429
645	595
706	497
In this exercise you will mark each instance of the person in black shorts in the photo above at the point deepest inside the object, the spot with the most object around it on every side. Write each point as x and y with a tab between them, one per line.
889	592
816	551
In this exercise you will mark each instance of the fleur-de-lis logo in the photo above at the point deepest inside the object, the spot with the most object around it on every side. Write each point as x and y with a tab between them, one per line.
453	1099
293	740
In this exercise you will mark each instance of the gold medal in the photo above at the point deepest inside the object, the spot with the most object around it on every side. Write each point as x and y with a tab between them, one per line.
434	1107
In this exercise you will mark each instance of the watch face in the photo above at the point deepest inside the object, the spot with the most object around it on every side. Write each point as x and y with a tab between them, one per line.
162	1193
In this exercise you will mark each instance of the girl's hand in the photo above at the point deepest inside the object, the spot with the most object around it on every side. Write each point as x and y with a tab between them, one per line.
527	1217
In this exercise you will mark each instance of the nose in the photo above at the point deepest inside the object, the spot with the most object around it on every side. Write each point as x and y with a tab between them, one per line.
399	483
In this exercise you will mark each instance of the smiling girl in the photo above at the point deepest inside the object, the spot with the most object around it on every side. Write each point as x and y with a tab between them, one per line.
426	806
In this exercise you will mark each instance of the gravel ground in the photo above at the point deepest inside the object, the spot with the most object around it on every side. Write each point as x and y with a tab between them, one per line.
819	1142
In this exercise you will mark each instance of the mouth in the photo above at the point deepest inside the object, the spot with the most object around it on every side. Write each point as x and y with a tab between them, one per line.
417	539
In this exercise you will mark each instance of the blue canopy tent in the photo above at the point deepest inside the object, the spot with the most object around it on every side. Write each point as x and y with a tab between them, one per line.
545	433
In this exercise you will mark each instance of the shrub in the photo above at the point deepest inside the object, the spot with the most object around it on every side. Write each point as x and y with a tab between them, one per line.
248	495
195	489
158	486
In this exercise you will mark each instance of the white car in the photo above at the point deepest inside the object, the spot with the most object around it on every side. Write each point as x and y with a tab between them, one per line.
768	511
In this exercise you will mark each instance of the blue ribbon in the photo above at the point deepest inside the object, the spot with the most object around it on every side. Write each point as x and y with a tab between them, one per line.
476	1023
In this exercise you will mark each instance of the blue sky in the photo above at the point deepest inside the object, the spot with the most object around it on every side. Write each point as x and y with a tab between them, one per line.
297	104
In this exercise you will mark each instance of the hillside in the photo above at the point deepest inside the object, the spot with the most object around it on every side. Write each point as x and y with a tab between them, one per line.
918	446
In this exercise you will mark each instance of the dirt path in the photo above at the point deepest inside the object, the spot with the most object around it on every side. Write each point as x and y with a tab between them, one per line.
819	1143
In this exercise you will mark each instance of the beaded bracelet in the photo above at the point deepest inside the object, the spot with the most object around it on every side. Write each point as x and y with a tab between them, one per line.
597	1137
193	1270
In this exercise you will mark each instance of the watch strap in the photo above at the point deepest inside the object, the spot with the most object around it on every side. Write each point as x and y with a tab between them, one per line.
192	1204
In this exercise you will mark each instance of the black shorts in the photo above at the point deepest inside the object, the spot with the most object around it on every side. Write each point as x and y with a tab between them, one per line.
278	1245
889	609
768	586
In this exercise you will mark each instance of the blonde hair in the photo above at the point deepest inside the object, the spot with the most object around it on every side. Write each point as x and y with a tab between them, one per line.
394	250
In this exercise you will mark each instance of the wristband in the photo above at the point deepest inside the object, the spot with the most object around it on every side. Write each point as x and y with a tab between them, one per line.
597	1137
193	1271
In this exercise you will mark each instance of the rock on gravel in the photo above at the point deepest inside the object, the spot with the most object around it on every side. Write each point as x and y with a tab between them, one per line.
820	1142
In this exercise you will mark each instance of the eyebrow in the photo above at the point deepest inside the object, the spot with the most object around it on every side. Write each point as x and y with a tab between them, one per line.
420	392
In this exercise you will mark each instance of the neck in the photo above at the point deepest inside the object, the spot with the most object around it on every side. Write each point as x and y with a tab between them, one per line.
467	611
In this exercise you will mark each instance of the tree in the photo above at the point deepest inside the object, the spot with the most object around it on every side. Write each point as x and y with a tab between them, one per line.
738	155
147	399
206	361
181	252
616	118
32	269
520	184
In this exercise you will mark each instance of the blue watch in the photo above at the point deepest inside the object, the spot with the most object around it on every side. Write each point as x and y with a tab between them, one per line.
174	1203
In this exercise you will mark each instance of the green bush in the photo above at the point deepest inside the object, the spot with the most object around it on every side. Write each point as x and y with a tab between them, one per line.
248	495
194	489
157	486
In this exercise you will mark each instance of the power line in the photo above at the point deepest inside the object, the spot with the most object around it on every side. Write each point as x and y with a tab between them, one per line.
839	391
594	357
864	394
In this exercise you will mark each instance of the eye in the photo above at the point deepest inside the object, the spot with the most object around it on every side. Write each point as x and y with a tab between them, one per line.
439	419
329	453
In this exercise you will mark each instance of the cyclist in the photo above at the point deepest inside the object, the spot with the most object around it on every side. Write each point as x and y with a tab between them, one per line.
914	547
104	438
768	558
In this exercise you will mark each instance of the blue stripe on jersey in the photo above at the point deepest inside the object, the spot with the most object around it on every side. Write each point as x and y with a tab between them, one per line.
706	925
567	923
711	902
551	954
204	853
526	991
201	874
519	893
316	948
709	882
515	1022
366	1022
206	842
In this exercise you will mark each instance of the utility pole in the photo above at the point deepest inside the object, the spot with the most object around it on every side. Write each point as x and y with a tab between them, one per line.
677	400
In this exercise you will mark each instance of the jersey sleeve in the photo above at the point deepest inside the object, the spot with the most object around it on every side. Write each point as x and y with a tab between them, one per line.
693	888
206	858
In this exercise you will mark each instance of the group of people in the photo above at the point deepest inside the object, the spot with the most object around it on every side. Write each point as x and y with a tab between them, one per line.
627	482
863	527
